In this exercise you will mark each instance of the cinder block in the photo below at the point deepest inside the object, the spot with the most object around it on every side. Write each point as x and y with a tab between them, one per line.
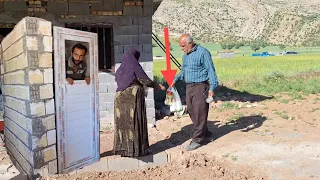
18	118
51	137
143	65
45	60
17	77
49	154
46	91
118	50
132	11
112	87
19	6
150	93
35	76
151	122
117	65
131	30
150	103
151	112
58	6
18	31
105	114
17	63
146	57
1	68
48	76
96	6
22	148
53	167
21	92
147	26
39	142
17	156
106	97
18	131
147	11
2	7
103	87
147	2
37	109
44	27
102	106
107	121
49	122
47	43
34	92
110	107
106	77
79	8
137	47
149	66
150	74
118	5
16	49
50	107
123	40
109	5
32	43
16	104
118	58
147	48
117	30
122	21
32	59
145	39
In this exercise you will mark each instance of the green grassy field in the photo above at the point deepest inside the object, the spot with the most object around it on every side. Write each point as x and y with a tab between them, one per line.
261	75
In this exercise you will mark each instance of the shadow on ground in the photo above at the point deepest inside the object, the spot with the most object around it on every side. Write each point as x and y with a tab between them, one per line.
222	93
244	124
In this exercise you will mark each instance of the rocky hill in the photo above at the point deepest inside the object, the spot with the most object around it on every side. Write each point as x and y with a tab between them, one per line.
288	22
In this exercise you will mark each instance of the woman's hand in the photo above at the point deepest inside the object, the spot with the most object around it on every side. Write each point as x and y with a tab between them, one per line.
162	87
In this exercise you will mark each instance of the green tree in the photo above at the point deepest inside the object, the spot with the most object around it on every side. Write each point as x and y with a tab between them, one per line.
171	49
154	45
255	46
282	47
238	45
223	46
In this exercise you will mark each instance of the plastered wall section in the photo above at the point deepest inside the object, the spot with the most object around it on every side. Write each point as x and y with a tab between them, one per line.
27	87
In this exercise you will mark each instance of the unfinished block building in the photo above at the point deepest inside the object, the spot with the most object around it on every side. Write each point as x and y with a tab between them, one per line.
34	137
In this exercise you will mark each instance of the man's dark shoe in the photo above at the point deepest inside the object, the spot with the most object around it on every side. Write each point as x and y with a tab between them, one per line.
193	146
208	134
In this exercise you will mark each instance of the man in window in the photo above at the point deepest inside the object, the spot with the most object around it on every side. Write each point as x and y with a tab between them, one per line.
76	68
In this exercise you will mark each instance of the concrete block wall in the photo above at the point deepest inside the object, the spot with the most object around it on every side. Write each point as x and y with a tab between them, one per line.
131	21
27	87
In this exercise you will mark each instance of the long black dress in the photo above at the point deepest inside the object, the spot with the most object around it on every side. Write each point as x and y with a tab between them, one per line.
131	130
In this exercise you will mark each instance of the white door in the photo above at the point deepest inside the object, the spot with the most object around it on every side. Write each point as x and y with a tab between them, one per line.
77	105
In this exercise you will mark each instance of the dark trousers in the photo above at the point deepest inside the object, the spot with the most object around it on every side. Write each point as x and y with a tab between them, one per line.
198	109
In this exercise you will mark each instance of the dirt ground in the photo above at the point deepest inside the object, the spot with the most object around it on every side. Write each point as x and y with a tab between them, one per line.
255	138
275	138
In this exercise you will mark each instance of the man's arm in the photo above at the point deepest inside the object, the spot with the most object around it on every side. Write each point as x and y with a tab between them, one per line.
207	60
86	75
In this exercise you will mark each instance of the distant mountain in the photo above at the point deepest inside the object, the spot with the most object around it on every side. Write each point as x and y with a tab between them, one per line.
288	22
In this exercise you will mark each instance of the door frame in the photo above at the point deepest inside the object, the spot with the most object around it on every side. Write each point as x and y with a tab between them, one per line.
60	35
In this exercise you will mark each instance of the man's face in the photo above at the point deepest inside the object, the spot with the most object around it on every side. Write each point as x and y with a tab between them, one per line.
78	55
185	47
